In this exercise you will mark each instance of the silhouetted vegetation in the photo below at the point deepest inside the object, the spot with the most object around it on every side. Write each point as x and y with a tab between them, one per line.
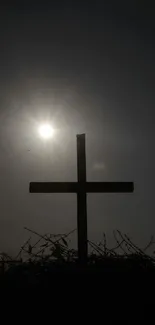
51	254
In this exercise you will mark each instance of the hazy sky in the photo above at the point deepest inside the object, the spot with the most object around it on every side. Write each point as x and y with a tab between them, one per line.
87	69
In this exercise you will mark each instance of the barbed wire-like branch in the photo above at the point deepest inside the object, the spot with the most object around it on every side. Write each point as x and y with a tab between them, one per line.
51	248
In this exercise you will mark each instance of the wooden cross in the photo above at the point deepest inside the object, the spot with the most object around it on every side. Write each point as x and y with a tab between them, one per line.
81	188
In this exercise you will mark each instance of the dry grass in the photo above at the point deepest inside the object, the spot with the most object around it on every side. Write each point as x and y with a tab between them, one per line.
49	252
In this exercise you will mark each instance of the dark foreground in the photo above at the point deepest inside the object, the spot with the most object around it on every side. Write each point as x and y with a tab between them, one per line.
102	271
119	285
115	289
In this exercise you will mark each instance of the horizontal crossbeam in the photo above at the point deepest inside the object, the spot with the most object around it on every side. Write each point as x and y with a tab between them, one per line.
88	187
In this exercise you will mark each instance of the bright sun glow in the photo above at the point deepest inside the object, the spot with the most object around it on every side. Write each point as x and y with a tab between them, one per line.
46	131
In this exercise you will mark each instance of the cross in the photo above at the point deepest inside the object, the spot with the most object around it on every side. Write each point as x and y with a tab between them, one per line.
81	188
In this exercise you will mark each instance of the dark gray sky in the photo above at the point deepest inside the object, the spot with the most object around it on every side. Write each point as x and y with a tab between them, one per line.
88	68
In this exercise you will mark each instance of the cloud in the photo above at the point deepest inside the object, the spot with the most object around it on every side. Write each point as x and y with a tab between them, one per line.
99	166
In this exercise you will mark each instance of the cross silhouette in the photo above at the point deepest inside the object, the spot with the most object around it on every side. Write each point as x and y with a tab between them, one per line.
81	188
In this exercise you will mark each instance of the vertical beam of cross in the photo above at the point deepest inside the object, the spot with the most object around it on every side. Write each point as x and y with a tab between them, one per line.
82	200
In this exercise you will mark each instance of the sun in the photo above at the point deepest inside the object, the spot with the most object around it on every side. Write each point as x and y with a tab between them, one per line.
46	131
